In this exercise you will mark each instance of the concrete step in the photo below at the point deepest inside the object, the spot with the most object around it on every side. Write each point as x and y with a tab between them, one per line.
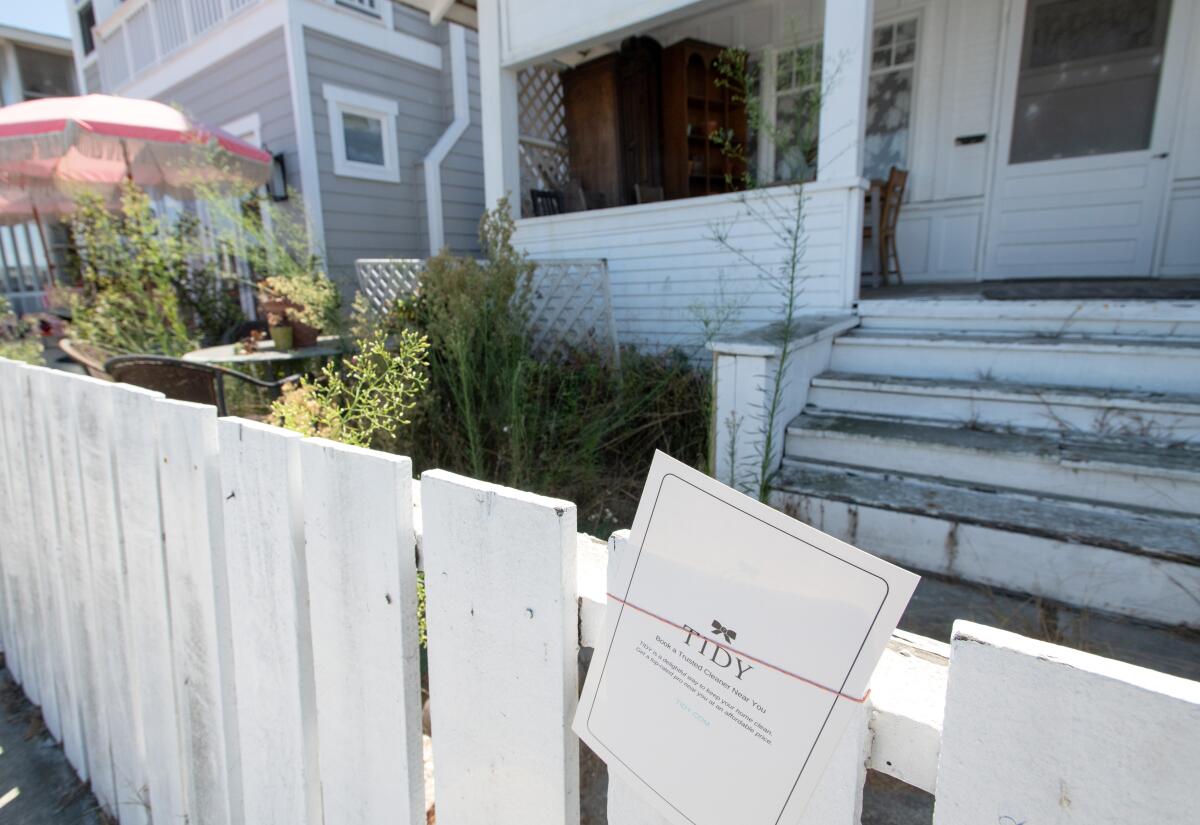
1123	471
1167	417
1109	363
1126	560
1146	318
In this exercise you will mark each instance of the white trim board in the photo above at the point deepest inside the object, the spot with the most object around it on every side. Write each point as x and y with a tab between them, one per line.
341	101
362	30
444	145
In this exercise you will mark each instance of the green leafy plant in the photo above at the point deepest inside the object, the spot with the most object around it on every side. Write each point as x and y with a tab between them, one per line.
130	265
18	339
365	403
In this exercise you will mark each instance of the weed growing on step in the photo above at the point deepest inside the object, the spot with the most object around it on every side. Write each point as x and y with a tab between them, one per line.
782	211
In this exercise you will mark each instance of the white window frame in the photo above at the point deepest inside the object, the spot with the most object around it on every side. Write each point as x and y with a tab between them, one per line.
341	101
769	96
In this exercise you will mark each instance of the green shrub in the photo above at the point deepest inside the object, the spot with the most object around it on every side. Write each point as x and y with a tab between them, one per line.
572	426
367	401
18	340
130	266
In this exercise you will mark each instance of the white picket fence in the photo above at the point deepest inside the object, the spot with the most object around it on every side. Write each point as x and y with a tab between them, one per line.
218	620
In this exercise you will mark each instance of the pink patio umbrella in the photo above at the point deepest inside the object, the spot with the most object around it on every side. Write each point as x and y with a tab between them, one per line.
53	149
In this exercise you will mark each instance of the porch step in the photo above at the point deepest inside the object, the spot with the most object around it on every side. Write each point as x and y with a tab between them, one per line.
1169	365
1142	318
1167	417
1132	561
1111	470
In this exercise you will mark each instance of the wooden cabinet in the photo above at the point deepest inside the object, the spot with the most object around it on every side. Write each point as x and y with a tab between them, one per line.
613	109
694	106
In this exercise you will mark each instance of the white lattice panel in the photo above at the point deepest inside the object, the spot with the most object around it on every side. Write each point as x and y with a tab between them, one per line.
386	280
571	308
543	131
570	302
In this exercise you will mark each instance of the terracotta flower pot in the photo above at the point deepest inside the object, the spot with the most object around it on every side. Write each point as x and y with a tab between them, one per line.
303	335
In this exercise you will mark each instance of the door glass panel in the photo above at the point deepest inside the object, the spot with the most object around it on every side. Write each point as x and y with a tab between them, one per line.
1089	77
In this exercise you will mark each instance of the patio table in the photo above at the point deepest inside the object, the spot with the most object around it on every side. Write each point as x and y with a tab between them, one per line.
326	346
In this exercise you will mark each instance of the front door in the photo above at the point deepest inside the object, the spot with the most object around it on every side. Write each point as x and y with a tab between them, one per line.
1080	165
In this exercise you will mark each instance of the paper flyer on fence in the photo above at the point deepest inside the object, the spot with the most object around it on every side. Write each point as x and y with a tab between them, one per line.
737	642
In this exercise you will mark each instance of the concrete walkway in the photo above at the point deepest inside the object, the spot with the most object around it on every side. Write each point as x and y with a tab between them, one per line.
37	785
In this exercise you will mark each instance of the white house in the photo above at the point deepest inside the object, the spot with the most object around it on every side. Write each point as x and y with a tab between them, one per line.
1042	138
1044	443
372	109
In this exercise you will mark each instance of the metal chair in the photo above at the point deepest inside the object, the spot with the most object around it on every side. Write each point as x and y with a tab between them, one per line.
88	356
546	202
185	380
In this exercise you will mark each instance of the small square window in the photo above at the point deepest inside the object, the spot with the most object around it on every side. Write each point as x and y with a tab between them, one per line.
364	138
362	131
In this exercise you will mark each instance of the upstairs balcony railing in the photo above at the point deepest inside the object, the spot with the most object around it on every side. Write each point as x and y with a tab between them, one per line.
139	35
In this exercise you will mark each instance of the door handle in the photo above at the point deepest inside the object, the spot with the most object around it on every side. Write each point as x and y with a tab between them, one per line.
1161	156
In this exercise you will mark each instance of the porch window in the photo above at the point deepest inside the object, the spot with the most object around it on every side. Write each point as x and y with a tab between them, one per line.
362	130
890	97
794	84
1089	77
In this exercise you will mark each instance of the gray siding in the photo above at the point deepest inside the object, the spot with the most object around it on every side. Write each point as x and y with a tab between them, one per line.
462	172
255	79
369	219
91	78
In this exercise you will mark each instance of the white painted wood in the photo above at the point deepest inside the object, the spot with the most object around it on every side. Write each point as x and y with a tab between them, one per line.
361	557
1177	320
846	66
667	269
110	603
87	658
44	541
500	583
1063	736
45	388
201	637
1100	363
1083	216
269	622
1004	406
18	542
137	467
498	110
9	517
1039	467
460	95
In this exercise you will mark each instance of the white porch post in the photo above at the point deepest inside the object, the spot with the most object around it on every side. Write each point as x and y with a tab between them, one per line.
498	88
846	67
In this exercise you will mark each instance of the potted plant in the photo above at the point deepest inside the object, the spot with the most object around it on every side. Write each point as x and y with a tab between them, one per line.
281	331
306	302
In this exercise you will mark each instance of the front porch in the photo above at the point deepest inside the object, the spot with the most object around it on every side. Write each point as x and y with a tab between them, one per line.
944	90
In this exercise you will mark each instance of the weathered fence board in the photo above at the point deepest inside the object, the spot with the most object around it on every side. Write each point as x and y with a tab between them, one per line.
268	599
45	546
139	508
45	387
20	515
360	550
198	594
110	605
503	640
86	659
1036	733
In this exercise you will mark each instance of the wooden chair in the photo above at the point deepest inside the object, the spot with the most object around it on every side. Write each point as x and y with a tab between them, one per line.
546	202
88	356
185	380
647	194
891	198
